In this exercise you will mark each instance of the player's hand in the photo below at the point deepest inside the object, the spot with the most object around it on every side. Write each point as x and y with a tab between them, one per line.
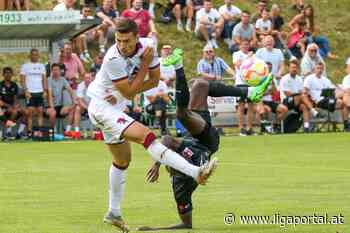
111	99
147	55
28	95
153	173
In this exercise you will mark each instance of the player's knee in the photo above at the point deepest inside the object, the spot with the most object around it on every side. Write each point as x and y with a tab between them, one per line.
121	164
200	86
149	138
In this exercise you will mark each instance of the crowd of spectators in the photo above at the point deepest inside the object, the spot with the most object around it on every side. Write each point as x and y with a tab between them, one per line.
295	52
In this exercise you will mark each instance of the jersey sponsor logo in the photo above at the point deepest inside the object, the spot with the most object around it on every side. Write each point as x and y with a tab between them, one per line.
187	153
122	120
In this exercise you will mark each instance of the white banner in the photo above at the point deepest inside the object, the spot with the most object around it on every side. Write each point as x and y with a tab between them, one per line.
222	104
39	17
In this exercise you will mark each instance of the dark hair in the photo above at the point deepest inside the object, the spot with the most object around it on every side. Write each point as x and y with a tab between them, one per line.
7	68
294	62
34	50
246	12
208	1
125	25
311	17
55	65
320	64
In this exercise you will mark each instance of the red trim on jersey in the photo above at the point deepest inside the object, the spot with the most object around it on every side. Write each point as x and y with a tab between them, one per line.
120	79
153	67
149	139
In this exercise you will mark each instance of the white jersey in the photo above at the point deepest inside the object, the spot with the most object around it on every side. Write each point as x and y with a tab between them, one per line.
316	85
81	92
115	68
237	58
294	85
161	88
34	73
346	82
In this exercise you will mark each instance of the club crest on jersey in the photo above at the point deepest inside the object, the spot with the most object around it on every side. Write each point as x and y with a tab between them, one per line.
187	153
121	120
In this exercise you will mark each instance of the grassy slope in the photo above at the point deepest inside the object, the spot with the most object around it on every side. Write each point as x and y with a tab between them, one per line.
331	15
62	187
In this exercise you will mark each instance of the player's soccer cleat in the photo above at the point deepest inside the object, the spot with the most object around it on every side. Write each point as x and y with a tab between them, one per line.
258	92
116	221
206	171
175	59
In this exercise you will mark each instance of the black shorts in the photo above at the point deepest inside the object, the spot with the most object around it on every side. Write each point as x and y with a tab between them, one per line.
327	104
36	100
182	3
58	110
243	100
158	105
272	105
290	104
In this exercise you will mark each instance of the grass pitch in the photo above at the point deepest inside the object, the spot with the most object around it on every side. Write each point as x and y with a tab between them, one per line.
62	187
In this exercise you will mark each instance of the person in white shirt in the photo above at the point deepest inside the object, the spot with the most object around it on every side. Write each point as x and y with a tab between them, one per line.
209	24
65	5
345	97
123	76
156	101
167	73
313	86
34	84
263	25
231	15
237	59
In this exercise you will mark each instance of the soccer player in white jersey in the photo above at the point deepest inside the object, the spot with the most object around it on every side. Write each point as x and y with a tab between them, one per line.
122	76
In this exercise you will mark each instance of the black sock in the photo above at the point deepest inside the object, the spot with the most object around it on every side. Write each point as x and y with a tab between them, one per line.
162	122
182	92
346	123
219	90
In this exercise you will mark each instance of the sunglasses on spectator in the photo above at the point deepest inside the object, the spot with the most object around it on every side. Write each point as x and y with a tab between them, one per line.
313	50
209	51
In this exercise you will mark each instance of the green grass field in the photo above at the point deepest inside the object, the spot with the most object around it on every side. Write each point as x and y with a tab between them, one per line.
62	187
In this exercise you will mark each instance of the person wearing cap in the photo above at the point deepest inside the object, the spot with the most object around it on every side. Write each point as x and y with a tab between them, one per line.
212	68
167	73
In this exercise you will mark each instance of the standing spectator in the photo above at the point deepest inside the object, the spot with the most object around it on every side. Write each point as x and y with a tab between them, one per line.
237	59
274	56
65	5
244	30
231	15
156	100
212	68
142	18
9	103
263	26
209	24
167	73
34	84
310	60
108	15
260	7
57	84
83	103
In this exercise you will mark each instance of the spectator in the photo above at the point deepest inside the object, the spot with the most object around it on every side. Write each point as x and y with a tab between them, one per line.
96	66
237	59
108	15
307	15
178	7
57	84
313	86
167	73
231	15
243	30
9	105
291	88
298	5
34	84
82	104
346	97
65	5
89	3
263	25
142	18
297	41
260	7
212	68
19	5
156	100
274	56
310	60
209	24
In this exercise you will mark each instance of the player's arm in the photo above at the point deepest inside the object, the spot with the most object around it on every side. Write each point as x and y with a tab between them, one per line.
24	86
153	79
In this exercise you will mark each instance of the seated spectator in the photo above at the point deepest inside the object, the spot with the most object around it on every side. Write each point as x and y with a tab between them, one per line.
142	18
298	5
272	55
244	30
231	15
134	108
297	41
263	25
34	84
65	5
156	100
212	68
18	5
277	25
260	7
9	105
209	24
82	104
313	86
178	7
108	15
291	88
346	97
57	84
310	60
307	15
96	66
167	73
89	3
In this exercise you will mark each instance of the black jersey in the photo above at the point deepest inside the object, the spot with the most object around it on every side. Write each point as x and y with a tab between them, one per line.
8	93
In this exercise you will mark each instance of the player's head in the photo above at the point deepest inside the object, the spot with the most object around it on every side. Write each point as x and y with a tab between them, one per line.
137	4
293	67
55	70
126	36
34	55
7	72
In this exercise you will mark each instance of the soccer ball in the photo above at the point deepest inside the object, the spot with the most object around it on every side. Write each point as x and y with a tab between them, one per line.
254	71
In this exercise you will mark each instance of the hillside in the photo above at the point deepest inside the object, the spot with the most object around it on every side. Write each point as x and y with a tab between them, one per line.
330	15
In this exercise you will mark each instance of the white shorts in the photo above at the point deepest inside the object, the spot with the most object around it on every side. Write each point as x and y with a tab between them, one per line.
110	119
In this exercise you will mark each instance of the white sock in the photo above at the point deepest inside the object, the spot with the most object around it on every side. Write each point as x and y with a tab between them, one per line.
250	89
21	128
68	128
151	7
116	189
306	125
9	130
168	157
77	129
